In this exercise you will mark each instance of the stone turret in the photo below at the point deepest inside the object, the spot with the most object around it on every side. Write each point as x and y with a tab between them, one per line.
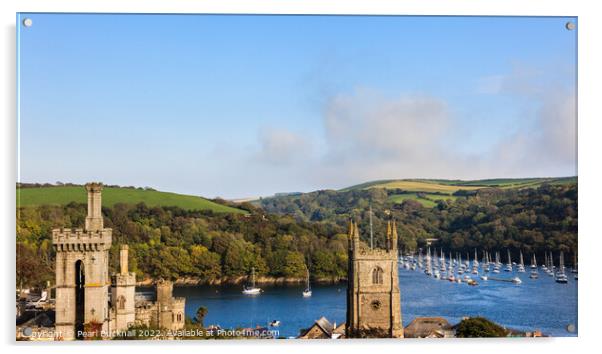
94	219
123	260
171	309
82	281
123	292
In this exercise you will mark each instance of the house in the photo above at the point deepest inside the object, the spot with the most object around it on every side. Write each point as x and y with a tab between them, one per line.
323	329
429	327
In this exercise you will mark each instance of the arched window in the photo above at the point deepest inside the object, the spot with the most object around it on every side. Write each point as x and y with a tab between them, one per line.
179	317
377	275
121	302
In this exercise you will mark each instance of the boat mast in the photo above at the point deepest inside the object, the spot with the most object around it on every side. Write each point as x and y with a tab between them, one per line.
307	278
371	232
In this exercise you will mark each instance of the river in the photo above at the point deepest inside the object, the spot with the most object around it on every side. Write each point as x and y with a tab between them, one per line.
539	304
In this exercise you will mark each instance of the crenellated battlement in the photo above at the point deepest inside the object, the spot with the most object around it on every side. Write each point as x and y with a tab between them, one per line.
80	240
366	253
178	302
128	279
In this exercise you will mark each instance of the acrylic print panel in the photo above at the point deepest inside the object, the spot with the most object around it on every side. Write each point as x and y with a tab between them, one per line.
247	176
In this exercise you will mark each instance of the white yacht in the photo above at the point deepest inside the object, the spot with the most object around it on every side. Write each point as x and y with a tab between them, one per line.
251	290
496	265
521	265
534	273
307	292
561	275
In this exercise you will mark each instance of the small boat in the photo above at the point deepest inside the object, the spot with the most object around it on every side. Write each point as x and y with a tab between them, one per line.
561	275
521	266
534	274
516	280
251	290
484	277
275	323
307	292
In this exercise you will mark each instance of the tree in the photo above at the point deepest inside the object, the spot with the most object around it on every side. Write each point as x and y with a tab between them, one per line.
31	270
206	264
201	312
478	327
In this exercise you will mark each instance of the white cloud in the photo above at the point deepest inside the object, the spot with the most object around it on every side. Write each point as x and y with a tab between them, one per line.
282	147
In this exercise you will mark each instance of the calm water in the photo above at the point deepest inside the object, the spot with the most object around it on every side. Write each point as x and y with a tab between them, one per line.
535	304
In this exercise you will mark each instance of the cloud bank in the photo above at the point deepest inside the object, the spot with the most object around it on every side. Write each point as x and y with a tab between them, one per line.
369	135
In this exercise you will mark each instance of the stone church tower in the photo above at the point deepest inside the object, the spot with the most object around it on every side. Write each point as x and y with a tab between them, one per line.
373	299
82	281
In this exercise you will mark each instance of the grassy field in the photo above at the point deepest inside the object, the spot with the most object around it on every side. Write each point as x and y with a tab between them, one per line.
111	196
451	186
445	188
428	201
506	182
423	186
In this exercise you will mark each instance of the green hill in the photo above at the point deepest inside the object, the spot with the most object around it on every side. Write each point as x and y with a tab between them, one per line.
61	195
451	186
428	191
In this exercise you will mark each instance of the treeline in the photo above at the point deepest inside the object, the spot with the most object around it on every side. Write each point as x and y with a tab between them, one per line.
289	234
528	220
172	243
69	184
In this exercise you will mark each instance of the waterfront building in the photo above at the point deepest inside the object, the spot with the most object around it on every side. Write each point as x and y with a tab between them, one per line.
324	329
373	298
429	327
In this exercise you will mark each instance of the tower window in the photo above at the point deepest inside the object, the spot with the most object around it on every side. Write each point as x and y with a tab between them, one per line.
121	302
377	275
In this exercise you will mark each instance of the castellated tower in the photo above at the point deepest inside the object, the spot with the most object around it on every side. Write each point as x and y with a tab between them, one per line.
123	292
82	281
373	299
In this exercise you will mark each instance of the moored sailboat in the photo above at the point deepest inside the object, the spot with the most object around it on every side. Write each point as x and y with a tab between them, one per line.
534	274
521	265
251	290
561	275
307	292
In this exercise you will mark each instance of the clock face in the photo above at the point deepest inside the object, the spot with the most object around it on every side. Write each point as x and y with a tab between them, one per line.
375	304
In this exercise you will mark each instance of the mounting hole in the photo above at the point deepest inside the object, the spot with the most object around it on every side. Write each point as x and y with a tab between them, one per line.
570	26
27	22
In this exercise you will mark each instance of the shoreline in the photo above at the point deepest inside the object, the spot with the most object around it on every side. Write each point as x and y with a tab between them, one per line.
237	280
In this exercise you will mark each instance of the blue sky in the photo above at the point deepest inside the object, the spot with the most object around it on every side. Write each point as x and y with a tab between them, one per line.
238	106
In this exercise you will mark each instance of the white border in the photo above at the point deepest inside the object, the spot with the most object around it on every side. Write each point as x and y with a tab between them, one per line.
589	165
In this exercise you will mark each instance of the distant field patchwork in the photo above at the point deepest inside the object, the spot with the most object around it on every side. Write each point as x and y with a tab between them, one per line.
428	192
